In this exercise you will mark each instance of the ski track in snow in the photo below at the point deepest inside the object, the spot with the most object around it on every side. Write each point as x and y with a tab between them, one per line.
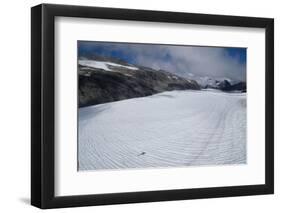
178	128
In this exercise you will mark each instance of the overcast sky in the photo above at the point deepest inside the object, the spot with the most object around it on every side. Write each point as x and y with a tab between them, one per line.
215	62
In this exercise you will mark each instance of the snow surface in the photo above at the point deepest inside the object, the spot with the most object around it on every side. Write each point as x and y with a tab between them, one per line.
178	128
103	65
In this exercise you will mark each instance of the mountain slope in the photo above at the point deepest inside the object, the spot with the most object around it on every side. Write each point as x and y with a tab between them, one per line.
102	81
240	86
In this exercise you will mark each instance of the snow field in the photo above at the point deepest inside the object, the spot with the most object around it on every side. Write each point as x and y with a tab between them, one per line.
178	128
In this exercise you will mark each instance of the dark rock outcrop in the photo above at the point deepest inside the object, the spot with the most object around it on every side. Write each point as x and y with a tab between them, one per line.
97	86
226	86
241	86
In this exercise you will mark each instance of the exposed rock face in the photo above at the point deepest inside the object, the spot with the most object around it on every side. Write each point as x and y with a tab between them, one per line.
225	85
241	86
120	81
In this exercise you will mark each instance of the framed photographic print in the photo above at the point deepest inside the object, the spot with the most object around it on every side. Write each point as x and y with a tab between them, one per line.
139	106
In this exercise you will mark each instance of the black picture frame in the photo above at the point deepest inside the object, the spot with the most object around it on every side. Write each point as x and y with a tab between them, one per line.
43	102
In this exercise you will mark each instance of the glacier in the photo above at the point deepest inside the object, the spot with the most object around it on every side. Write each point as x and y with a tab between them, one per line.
168	129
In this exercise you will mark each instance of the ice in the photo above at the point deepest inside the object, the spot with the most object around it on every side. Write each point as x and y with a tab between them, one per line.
177	128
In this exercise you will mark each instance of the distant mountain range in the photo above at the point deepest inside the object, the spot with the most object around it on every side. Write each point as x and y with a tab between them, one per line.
103	79
221	84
